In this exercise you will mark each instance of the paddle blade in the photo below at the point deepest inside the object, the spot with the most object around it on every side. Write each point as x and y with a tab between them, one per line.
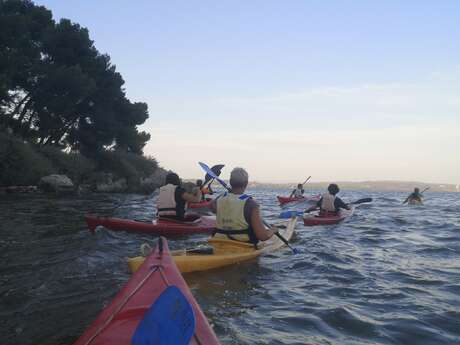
212	174
169	321
217	169
362	201
290	214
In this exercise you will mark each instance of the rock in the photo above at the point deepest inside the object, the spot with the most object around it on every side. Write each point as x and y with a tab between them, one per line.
56	184
110	186
19	189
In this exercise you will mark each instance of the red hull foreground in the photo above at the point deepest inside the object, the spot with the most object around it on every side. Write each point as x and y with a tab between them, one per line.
117	323
330	219
285	199
157	227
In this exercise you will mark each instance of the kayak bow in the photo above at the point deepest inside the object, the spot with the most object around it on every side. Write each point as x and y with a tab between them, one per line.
122	318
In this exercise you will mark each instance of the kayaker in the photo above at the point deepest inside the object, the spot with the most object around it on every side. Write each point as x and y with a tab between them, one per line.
172	198
330	202
298	192
205	190
238	215
415	196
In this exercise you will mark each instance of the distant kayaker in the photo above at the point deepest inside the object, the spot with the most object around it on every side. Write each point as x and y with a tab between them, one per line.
172	198
298	192
414	197
329	201
238	215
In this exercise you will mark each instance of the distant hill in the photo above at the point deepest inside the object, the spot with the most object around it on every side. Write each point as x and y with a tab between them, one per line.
393	186
396	186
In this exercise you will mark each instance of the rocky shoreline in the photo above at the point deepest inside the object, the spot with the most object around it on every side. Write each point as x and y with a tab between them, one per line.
103	183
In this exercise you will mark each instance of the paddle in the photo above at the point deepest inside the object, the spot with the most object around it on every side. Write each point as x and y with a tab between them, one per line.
169	321
211	173
423	191
289	214
306	180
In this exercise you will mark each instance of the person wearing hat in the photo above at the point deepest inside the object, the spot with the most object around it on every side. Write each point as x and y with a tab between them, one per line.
238	215
330	202
173	199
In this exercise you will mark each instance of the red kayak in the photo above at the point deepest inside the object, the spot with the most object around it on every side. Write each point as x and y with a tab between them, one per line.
121	319
201	204
285	199
163	227
327	218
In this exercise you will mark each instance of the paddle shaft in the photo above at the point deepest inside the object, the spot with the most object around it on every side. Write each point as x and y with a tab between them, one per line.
306	180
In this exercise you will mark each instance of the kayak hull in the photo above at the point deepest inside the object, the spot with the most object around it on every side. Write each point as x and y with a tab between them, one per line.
313	220
283	200
225	252
201	204
415	202
117	323
158	227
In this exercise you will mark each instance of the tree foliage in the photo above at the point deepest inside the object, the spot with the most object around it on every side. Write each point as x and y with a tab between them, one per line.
56	89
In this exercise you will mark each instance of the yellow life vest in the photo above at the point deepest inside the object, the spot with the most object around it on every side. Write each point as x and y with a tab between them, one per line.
230	219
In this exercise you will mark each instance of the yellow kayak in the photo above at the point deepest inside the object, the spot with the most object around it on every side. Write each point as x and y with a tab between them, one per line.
224	252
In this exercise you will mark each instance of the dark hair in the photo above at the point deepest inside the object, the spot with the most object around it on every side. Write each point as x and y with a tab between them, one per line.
300	186
333	189
199	183
172	178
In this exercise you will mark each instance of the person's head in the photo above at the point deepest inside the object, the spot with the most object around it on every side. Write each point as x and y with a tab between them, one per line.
416	190
172	178
199	183
333	189
239	178
299	186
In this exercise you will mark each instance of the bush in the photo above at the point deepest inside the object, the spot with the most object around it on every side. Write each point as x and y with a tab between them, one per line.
127	165
20	164
76	166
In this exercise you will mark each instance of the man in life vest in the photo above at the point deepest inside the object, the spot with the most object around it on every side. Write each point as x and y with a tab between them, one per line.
238	215
172	199
298	192
330	202
415	197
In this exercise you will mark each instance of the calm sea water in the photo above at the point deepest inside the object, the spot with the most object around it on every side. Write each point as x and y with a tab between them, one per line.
389	275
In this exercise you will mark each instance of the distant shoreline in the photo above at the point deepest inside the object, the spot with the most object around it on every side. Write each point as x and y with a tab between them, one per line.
384	186
394	186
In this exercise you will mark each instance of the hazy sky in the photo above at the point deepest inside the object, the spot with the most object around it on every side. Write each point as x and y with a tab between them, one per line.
340	90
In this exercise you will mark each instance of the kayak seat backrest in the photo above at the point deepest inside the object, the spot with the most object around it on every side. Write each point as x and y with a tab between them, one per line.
224	246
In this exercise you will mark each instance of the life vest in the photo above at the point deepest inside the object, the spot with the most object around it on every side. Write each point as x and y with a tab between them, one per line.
230	219
328	203
298	193
166	204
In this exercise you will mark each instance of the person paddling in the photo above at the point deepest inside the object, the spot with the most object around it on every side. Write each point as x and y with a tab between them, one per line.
238	215
414	197
330	202
298	192
172	200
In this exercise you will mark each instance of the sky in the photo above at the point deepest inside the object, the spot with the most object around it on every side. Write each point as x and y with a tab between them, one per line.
340	90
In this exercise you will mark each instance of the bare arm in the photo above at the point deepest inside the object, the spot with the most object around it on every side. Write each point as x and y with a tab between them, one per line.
189	197
261	232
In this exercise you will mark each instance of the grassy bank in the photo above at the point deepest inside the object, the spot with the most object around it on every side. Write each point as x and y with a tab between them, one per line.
23	164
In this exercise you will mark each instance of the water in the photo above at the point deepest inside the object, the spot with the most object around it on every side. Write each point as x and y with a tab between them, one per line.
389	275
